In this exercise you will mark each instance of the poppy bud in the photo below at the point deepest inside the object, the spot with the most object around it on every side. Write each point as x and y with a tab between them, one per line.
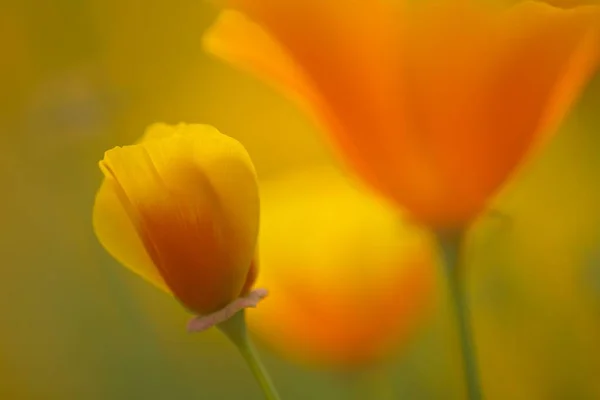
181	209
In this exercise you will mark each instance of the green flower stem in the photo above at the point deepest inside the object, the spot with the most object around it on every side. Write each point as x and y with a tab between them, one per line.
235	329
450	245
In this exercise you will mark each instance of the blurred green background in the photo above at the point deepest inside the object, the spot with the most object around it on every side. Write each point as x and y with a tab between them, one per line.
79	77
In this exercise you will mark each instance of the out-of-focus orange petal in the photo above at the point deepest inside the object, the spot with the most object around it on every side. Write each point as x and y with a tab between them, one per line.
349	281
578	70
483	84
434	103
544	59
242	42
338	57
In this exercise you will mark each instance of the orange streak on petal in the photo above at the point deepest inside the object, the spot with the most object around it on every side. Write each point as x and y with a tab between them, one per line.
184	237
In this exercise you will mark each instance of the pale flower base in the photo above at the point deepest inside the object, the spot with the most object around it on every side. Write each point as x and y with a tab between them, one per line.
203	322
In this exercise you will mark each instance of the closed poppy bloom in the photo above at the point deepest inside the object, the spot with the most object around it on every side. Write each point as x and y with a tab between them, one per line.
350	283
181	209
433	103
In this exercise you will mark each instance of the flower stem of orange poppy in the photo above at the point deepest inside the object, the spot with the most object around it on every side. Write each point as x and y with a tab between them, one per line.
450	244
235	330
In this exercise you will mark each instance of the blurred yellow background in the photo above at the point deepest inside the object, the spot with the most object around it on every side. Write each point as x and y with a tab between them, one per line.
79	77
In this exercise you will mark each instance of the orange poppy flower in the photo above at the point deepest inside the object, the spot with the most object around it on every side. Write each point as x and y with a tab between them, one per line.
349	282
181	209
433	103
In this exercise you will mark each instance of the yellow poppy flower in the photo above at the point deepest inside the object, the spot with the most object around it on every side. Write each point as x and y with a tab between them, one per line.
433	103
349	282
181	209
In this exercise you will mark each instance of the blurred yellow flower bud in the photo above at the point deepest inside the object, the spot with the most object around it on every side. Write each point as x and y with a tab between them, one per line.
181	209
349	282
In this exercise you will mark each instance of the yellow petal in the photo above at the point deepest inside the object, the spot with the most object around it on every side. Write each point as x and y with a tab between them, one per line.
117	234
191	194
159	131
114	227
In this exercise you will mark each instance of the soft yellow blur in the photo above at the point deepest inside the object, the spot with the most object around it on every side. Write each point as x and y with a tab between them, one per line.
351	281
78	78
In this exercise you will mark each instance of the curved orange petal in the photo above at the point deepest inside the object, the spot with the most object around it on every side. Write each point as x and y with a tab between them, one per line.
506	77
343	67
238	40
577	70
544	59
